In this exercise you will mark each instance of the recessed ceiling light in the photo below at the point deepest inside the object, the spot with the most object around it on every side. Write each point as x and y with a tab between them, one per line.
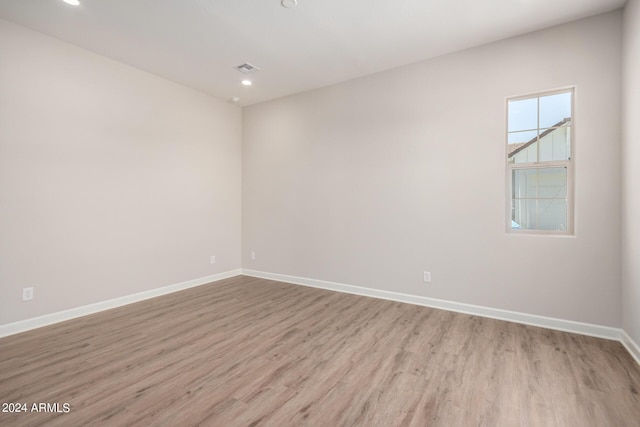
234	100
72	2
289	3
247	82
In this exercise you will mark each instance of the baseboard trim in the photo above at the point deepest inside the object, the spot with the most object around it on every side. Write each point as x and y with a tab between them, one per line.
493	313
61	316
631	346
528	319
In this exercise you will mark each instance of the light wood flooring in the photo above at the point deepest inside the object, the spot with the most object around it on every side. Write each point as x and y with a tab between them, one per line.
253	352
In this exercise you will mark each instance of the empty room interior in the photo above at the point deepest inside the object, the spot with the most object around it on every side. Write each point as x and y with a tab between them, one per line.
323	213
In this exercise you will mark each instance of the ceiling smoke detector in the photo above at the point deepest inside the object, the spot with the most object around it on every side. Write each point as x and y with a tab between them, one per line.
289	3
247	68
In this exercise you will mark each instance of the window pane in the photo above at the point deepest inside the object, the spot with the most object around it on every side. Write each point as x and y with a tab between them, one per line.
523	114
522	147
552	183
554	144
554	109
525	184
524	214
539	199
552	214
521	137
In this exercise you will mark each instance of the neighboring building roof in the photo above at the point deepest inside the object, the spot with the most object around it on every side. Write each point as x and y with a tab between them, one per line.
518	147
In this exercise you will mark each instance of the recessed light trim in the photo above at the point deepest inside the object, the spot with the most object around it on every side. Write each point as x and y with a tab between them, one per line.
72	2
289	3
246	82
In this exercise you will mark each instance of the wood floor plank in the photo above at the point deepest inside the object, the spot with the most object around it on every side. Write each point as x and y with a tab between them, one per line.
254	352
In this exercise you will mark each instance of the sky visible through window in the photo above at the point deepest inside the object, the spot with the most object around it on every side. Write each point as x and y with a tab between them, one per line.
523	115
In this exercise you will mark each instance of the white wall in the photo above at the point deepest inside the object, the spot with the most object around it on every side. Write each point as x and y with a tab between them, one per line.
112	181
372	181
631	172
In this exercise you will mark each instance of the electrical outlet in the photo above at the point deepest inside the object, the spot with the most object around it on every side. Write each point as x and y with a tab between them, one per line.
27	294
213	259
253	255
427	277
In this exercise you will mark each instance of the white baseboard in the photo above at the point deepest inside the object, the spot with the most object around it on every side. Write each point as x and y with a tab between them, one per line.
61	316
493	313
631	346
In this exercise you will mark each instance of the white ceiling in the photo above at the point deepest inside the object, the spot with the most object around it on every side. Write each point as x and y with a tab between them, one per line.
320	42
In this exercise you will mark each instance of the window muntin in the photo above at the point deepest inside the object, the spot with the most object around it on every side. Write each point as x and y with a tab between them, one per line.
539	151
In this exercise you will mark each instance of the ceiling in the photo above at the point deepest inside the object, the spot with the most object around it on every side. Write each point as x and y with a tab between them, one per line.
320	42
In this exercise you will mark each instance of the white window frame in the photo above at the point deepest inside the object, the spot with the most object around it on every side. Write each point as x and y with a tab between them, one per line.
568	164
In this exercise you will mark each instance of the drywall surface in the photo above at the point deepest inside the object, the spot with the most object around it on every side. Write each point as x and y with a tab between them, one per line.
373	181
112	181
631	172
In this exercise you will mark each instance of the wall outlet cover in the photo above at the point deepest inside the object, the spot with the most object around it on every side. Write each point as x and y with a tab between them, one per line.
27	294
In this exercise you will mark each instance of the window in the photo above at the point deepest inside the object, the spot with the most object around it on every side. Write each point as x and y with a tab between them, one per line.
539	163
